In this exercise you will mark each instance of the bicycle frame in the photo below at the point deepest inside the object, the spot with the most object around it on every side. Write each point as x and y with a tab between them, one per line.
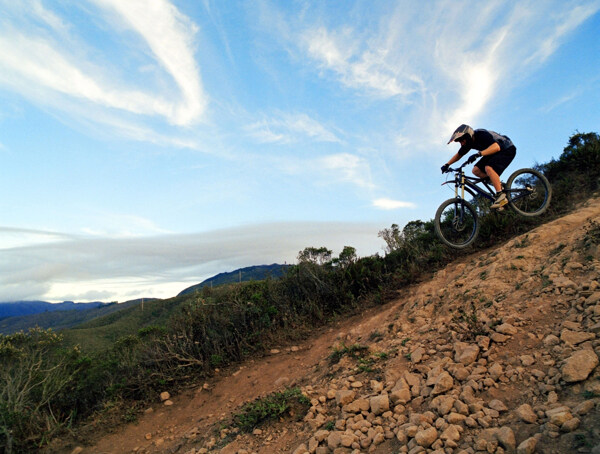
469	184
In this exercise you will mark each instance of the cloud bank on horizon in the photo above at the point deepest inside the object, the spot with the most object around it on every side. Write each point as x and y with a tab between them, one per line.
84	267
306	112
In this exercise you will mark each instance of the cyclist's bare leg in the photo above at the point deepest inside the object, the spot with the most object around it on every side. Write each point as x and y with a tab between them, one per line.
494	178
491	173
478	172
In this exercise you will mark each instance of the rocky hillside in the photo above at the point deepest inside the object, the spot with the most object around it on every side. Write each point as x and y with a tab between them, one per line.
497	353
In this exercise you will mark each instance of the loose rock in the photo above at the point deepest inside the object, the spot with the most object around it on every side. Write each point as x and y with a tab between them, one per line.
579	366
527	446
425	438
526	413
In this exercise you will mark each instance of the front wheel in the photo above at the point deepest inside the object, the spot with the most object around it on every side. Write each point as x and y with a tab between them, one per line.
456	223
528	192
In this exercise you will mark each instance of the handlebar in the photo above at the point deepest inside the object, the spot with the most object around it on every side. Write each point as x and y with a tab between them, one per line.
469	161
457	169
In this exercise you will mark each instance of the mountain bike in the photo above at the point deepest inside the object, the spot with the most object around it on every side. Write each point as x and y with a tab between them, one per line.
457	221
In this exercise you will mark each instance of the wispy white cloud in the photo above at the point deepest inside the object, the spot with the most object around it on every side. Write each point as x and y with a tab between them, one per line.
287	128
170	35
105	124
339	51
16	237
329	170
478	87
345	167
562	100
42	60
46	67
442	72
421	56
48	17
572	93
116	225
562	23
389	204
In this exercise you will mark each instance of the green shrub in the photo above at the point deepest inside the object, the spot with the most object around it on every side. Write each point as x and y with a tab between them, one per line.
580	156
468	323
576	173
353	351
272	407
36	372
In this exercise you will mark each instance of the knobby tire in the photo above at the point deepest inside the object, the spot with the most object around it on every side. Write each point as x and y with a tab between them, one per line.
456	223
528	192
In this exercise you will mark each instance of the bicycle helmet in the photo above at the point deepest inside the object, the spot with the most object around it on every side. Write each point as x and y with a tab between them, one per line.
461	131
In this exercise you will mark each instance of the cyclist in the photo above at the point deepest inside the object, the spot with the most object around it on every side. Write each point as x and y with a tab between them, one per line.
495	150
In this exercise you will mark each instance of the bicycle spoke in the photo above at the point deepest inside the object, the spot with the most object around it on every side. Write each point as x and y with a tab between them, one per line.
457	224
529	193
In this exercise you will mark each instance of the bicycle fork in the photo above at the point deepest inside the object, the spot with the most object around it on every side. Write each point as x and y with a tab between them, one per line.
460	183
458	220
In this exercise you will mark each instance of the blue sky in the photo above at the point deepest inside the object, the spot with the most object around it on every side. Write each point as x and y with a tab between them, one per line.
147	145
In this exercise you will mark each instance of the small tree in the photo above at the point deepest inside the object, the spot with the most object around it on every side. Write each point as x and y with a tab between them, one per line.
576	173
413	235
318	256
346	258
392	237
581	156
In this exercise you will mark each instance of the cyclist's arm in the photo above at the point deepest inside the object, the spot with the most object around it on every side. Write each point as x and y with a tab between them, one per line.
493	148
454	158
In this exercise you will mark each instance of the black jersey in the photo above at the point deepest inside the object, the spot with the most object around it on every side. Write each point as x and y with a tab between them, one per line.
482	139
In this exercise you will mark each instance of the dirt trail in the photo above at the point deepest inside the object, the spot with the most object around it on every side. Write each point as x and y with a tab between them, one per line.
538	287
198	411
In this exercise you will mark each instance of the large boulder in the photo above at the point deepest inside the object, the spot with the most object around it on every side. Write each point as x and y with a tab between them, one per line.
579	366
465	353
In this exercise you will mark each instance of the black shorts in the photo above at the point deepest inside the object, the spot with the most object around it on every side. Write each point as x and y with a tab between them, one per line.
498	161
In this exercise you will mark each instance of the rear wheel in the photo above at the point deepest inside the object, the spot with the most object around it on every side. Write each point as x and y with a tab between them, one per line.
456	223
528	192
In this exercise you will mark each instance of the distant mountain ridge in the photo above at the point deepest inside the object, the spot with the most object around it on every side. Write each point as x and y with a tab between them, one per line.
19	308
250	273
22	315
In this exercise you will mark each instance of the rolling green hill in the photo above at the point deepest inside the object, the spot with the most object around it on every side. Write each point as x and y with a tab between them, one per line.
100	325
101	332
82	316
